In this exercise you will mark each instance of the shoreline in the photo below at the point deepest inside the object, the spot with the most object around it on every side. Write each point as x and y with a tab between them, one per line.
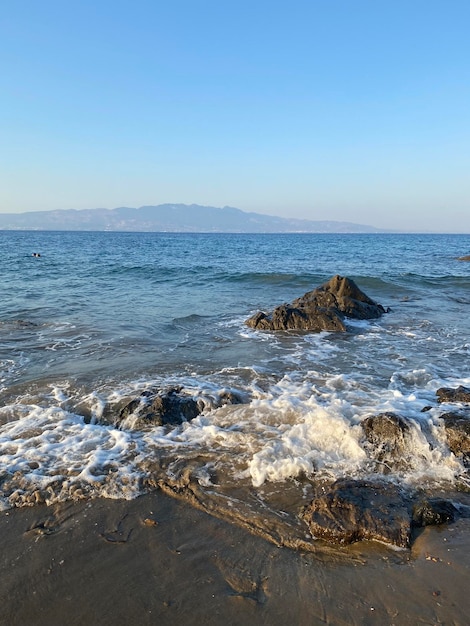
156	559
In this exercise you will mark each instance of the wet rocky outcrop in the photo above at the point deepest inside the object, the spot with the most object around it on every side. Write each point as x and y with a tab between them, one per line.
457	423
464	258
351	510
355	510
449	394
157	409
388	436
170	406
457	427
324	308
290	317
387	433
433	512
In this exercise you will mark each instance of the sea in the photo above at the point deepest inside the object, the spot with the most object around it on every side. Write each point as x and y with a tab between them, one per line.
89	321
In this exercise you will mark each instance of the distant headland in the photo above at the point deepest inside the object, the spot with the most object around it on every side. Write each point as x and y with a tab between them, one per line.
173	218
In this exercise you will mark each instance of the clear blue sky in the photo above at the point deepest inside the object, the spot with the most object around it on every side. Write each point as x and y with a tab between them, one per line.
354	110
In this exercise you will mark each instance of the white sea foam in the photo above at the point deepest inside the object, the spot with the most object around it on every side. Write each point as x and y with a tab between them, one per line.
51	445
301	426
320	441
299	429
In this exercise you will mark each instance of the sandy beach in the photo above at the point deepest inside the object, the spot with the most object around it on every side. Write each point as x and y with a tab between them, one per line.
157	560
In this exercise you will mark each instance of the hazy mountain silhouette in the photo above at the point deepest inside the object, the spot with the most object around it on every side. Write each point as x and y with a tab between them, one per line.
173	218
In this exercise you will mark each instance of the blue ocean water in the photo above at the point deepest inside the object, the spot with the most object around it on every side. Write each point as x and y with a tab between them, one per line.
100	317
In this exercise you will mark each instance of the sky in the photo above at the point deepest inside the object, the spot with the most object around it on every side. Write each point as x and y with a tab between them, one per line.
348	110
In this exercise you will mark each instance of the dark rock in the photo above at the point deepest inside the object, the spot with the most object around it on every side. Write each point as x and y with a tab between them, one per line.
464	258
457	427
448	394
172	406
354	510
388	435
169	406
288	317
386	428
343	295
324	308
227	396
433	512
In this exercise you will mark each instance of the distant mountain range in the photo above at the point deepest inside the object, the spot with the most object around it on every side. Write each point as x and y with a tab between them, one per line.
173	218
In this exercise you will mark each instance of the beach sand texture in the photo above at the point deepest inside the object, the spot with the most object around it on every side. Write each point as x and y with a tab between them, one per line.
157	560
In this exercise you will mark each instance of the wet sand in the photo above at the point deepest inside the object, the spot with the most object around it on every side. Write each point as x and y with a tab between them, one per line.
157	560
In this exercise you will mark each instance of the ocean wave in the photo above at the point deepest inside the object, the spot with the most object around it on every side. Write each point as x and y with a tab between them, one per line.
297	280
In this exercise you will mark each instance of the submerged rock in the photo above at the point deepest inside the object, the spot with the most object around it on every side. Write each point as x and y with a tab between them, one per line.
448	394
324	308
354	510
171	406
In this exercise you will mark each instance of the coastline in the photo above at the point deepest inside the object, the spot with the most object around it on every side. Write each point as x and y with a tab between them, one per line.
172	315
159	560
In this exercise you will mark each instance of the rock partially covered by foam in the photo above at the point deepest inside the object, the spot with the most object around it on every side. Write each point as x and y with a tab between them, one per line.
457	428
324	308
170	406
389	437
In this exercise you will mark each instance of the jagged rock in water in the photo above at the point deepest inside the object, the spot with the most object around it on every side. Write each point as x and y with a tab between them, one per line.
324	308
171	406
388	434
433	512
344	295
288	317
457	427
448	394
354	510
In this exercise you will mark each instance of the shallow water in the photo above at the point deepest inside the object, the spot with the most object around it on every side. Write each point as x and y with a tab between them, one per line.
100	317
